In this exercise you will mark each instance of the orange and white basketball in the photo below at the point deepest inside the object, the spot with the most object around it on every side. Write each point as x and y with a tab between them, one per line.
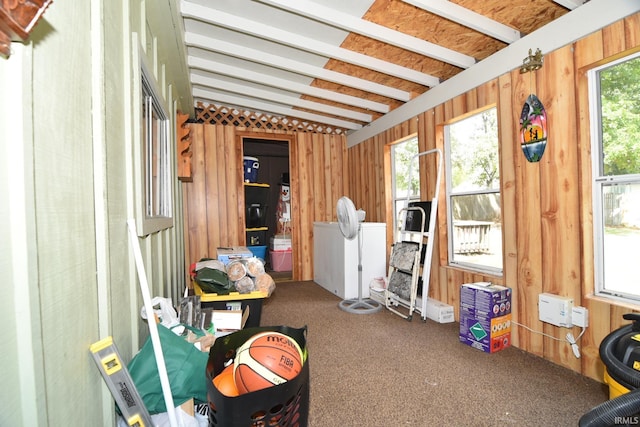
265	360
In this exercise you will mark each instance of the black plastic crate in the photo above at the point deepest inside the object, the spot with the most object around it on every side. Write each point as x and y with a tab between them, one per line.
283	405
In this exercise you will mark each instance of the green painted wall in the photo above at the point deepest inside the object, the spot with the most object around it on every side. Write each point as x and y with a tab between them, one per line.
68	141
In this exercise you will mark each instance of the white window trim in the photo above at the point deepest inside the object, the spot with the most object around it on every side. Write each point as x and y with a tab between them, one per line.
599	181
394	197
147	225
483	269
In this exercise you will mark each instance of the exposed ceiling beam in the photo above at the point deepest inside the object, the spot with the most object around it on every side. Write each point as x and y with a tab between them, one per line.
267	32
468	18
272	109
576	24
265	79
254	55
570	4
372	30
292	101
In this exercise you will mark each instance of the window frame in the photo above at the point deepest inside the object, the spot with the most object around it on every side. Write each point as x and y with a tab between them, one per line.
449	195
599	181
413	196
154	199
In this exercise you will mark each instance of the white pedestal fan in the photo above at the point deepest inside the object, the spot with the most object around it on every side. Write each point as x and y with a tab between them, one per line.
350	228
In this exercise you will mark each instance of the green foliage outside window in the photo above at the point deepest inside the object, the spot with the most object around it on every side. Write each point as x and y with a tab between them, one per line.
620	109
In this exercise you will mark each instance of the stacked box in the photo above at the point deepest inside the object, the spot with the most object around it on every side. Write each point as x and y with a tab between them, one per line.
485	316
280	242
439	311
226	255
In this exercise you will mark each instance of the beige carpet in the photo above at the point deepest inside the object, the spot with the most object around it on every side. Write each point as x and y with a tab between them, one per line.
379	370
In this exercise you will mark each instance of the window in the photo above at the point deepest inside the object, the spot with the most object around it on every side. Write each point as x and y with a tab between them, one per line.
614	91
473	192
155	160
401	155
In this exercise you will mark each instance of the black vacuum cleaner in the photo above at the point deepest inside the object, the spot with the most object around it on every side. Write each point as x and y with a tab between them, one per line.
620	353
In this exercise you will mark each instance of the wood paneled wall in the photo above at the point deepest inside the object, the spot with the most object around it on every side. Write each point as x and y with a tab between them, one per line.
546	206
214	200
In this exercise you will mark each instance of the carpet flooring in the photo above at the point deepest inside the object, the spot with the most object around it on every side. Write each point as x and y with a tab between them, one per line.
379	370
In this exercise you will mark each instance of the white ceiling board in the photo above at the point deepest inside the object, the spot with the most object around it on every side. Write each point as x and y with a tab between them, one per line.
256	12
207	60
261	57
260	79
281	97
569	4
468	18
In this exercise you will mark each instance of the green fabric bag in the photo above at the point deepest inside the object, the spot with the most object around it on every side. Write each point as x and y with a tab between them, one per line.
186	366
214	281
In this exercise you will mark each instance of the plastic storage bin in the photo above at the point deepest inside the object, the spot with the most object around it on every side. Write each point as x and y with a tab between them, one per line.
234	300
284	405
259	251
281	260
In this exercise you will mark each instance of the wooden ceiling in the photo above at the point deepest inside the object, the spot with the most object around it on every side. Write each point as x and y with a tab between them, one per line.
344	63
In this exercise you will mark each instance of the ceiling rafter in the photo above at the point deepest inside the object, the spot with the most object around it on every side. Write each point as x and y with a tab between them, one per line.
280	83
267	32
292	65
468	18
372	30
215	83
257	105
570	4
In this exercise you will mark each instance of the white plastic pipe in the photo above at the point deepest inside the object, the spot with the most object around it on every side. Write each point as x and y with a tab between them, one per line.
153	327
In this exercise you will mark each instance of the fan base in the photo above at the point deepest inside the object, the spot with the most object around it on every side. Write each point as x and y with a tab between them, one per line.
360	306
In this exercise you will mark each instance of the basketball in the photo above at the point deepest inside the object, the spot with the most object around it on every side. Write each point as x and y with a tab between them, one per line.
224	382
265	360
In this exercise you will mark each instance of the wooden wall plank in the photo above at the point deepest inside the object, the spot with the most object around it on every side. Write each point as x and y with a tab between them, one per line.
529	278
196	191
615	40
509	150
632	31
214	214
559	188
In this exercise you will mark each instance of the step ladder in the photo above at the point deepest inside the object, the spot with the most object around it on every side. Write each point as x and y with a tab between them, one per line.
115	374
412	251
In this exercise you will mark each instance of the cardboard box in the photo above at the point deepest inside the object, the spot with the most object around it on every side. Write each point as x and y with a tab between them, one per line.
489	334
226	255
228	321
485	316
280	242
439	311
482	299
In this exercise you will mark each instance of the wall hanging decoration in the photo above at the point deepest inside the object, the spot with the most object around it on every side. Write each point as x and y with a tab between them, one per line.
533	118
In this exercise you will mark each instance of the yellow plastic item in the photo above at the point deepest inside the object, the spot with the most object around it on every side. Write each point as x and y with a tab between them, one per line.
231	296
615	388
